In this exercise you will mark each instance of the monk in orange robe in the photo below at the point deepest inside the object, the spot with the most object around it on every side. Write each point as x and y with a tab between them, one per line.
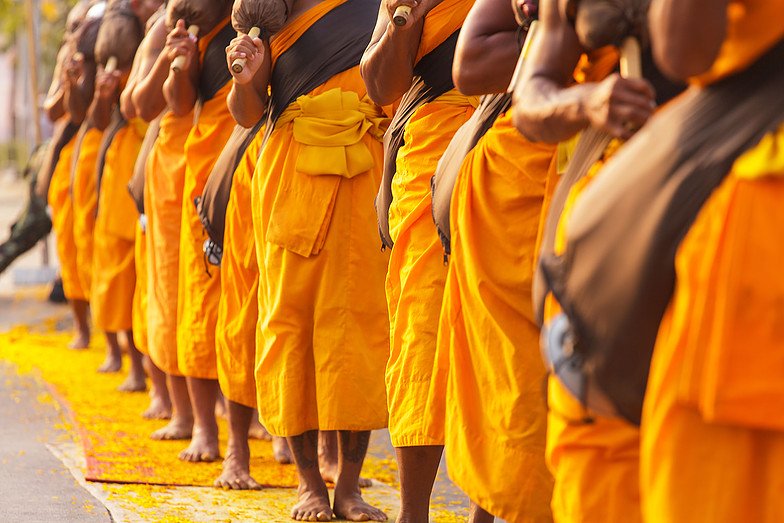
165	175
489	366
160	402
322	337
595	464
712	426
416	275
199	288
58	194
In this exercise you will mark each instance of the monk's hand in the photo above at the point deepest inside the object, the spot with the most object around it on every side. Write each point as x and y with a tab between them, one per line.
249	49
620	106
107	85
419	8
74	70
179	42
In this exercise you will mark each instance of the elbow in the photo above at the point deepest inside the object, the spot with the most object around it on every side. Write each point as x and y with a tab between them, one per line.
468	80
532	126
376	90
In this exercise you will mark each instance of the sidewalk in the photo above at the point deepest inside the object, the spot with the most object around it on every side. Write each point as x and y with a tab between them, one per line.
43	480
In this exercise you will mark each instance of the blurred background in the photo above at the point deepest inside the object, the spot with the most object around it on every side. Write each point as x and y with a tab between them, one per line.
30	34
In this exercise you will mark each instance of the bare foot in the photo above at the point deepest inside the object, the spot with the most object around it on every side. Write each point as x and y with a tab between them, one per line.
281	451
110	364
236	474
257	431
177	429
158	409
313	505
80	341
203	447
329	473
133	383
351	506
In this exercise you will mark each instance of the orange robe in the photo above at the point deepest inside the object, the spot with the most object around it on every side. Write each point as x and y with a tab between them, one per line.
713	424
496	418
164	179
84	199
416	275
114	272
322	340
595	464
59	199
199	286
140	292
238	312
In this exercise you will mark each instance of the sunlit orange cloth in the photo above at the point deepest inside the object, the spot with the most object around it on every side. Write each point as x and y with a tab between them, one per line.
416	275
84	200
713	424
595	464
163	188
199	290
114	272
140	293
238	312
323	339
59	199
488	360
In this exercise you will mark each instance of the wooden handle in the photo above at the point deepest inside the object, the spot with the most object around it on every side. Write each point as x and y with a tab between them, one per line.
402	13
111	64
631	61
238	65
179	62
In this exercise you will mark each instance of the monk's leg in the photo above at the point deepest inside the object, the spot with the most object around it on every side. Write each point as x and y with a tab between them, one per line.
136	380
313	504
204	440
477	514
160	403
181	424
418	468
113	361
236	464
81	315
281	450
257	430
328	458
348	498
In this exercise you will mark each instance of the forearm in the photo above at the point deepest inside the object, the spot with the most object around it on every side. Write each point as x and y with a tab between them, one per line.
388	64
180	93
101	113
484	64
148	97
54	105
77	103
687	34
246	104
549	113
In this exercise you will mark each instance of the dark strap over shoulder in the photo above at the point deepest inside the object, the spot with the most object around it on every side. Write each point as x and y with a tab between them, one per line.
464	140
432	78
64	132
137	181
212	204
617	275
214	72
115	125
333	44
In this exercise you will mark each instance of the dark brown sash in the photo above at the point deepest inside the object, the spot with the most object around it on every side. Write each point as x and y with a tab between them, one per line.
333	44
617	275
465	139
115	125
214	73
137	181
64	132
432	78
212	204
